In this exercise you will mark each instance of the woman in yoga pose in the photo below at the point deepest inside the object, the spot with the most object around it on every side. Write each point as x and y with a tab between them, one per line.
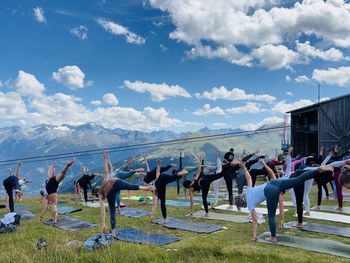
84	182
11	183
160	184
109	190
51	186
270	192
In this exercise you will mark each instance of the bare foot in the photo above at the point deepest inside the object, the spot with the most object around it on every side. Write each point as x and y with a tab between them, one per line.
307	214
254	239
299	225
230	207
271	239
114	234
339	209
165	221
317	208
206	215
151	219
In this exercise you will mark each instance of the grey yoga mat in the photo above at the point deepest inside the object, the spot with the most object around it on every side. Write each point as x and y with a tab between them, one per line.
222	217
330	208
137	236
320	228
133	212
325	246
177	223
63	210
70	224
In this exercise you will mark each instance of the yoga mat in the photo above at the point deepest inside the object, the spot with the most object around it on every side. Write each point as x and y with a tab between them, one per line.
222	217
329	217
199	198
98	241
97	204
26	215
320	228
285	203
63	210
222	194
324	246
176	223
133	212
7	228
138	236
62	202
137	197
179	203
259	210
329	208
70	224
22	207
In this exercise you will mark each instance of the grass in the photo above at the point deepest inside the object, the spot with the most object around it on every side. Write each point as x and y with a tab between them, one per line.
231	245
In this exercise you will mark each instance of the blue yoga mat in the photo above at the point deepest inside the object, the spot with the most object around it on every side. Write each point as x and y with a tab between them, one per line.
177	223
178	203
98	241
22	207
137	236
63	210
133	212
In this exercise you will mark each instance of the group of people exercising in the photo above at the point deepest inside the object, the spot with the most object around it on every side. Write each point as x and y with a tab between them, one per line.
297	177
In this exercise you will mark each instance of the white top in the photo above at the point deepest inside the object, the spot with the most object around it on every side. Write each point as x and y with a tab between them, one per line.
255	195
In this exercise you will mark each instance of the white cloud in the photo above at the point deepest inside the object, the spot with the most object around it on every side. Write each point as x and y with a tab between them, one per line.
289	93
80	32
119	30
207	110
26	84
333	76
250	107
331	54
163	48
260	27
302	79
110	99
12	107
159	92
70	76
96	102
267	121
283	106
275	57
39	14
288	79
235	94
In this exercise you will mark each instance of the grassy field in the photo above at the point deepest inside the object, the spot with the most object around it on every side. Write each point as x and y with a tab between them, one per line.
231	245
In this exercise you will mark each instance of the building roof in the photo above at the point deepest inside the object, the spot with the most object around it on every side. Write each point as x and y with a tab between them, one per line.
316	105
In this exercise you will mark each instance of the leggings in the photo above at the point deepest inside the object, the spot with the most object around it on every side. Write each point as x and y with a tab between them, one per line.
111	197
254	173
273	190
9	192
178	179
204	183
160	184
125	174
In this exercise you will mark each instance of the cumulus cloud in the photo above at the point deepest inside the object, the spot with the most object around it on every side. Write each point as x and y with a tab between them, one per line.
207	110
26	84
250	107
38	13
218	29
267	121
119	30
283	106
288	79
110	99
80	32
302	79
331	54
70	77
235	94
96	102
333	76
158	92
12	107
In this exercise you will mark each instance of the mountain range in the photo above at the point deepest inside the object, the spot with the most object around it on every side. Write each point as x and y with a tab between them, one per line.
18	143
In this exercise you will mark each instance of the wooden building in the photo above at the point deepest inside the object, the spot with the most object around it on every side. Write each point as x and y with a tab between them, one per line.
325	124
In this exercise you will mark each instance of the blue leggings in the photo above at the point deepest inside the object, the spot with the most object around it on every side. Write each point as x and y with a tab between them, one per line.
273	190
111	197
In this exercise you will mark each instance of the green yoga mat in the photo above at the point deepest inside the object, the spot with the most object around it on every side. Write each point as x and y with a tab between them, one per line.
222	217
330	208
324	246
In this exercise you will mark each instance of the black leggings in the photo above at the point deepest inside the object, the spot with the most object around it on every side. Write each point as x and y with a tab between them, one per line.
151	175
274	188
8	188
322	181
178	179
204	183
299	196
160	185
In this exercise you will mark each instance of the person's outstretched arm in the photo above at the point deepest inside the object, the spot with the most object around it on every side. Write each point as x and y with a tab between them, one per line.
148	169
268	169
18	168
103	214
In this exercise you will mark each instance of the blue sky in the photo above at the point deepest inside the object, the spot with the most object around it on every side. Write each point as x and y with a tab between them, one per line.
146	65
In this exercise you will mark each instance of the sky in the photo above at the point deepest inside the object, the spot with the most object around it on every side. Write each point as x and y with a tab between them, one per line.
177	65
